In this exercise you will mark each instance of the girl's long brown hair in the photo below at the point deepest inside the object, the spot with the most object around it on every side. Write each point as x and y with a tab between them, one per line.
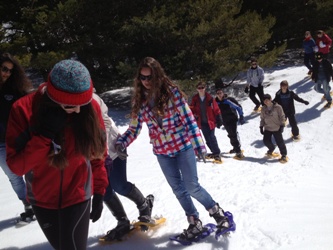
160	92
89	137
18	79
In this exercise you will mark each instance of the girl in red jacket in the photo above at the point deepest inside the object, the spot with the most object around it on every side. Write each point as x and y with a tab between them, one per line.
56	138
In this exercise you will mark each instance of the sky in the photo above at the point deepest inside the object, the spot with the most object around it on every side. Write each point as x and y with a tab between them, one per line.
275	206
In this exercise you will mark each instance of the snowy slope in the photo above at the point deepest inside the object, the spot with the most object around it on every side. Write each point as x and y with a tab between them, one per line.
275	206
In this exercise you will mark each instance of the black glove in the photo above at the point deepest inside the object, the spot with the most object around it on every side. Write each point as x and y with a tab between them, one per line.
306	102
246	90
262	130
281	129
241	120
219	121
97	207
52	121
121	151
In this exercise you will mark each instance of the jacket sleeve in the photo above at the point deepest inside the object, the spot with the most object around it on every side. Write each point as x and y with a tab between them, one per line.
297	98
261	75
24	150
132	131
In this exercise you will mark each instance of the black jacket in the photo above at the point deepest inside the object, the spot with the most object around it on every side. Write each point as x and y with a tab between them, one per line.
327	69
229	108
289	97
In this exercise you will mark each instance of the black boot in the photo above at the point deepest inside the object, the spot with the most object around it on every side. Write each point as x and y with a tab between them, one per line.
145	205
123	227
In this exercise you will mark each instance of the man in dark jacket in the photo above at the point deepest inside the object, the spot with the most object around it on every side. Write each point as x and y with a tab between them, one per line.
285	98
229	108
322	75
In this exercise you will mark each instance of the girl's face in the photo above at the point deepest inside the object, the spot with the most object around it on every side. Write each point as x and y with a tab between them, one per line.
145	77
268	102
6	71
71	109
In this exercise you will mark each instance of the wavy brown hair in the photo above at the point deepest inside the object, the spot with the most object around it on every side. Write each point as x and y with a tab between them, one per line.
160	92
18	79
89	137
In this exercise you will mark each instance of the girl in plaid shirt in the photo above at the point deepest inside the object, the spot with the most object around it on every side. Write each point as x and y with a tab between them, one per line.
176	139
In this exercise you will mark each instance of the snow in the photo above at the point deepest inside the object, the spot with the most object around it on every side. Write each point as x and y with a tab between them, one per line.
275	206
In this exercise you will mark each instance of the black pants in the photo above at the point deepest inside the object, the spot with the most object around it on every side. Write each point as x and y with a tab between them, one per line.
210	138
67	228
309	60
278	139
293	124
260	92
231	128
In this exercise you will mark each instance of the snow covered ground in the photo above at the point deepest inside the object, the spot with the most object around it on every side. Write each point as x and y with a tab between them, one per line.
275	206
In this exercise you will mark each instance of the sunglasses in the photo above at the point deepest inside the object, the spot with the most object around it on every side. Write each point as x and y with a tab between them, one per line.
254	64
200	87
219	93
4	69
143	77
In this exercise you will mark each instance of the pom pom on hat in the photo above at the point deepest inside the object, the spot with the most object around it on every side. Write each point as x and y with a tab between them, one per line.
69	83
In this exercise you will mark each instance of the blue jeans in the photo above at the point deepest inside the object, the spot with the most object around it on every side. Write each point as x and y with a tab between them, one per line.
17	182
323	87
181	173
118	180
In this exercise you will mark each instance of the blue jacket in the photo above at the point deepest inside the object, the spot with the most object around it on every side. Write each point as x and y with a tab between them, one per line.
308	45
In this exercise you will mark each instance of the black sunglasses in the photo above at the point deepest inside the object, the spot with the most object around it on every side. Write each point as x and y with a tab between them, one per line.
143	77
4	69
200	87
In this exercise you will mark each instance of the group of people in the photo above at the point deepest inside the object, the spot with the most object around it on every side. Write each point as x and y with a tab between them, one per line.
61	139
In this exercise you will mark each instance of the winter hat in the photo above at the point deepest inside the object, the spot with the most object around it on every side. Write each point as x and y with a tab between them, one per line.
319	55
69	83
267	96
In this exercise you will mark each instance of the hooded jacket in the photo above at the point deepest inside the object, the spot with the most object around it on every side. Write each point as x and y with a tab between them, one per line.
47	186
288	98
272	118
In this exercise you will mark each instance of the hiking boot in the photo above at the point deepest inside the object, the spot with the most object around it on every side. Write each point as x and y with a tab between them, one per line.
217	159
239	155
123	227
232	151
328	105
296	137
209	156
256	107
310	72
194	230
283	158
218	214
146	208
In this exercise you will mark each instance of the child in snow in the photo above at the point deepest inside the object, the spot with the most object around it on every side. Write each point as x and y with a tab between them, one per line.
272	122
116	168
176	138
285	98
229	108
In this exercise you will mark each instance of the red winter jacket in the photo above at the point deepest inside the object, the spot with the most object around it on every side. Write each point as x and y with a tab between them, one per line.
48	186
212	109
327	41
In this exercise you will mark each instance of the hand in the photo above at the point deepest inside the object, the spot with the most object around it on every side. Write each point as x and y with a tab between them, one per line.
97	207
322	45
246	90
262	130
281	129
306	102
121	152
52	121
241	120
315	49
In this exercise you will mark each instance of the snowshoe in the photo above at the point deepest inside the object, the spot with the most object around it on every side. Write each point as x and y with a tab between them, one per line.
122	228
328	105
283	159
271	154
223	230
239	156
145	213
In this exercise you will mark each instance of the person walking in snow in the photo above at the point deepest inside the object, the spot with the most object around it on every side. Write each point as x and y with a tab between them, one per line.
285	98
14	84
230	109
176	139
272	123
56	138
322	75
208	116
117	173
255	78
309	47
324	43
